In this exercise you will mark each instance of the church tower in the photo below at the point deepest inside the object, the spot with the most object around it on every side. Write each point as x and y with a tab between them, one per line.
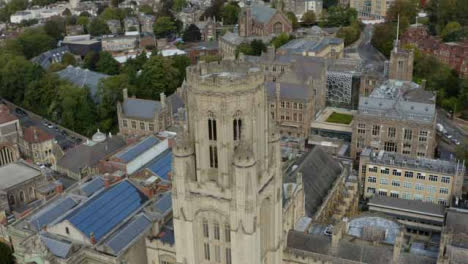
401	61
227	201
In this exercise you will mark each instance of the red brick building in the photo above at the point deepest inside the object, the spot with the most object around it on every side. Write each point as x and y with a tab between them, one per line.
455	54
262	20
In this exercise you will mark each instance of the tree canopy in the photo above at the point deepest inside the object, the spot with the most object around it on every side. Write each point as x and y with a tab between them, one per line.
6	254
281	39
230	13
98	27
293	19
164	26
339	16
308	18
254	48
107	64
192	33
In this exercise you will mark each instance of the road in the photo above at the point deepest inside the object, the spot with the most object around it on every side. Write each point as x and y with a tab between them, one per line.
371	57
65	140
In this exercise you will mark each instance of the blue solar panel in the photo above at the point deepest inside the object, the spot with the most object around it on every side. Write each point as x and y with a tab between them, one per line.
134	151
162	165
164	204
103	212
52	212
92	186
127	234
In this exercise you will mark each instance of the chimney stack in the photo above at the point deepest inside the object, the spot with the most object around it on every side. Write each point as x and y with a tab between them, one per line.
162	97
58	187
107	180
35	133
92	238
125	94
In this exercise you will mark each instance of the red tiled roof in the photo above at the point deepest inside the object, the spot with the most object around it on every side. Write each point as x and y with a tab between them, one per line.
33	134
5	115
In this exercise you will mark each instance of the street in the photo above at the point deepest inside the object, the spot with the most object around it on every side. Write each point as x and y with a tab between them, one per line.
65	140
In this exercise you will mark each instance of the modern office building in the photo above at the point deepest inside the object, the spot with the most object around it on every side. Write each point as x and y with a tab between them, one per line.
395	175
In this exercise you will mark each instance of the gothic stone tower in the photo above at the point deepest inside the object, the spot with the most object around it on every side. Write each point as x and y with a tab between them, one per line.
227	175
401	65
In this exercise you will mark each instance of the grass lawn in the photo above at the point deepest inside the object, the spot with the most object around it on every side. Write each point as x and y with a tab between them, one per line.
340	118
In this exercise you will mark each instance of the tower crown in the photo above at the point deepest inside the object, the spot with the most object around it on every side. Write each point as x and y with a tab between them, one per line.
224	76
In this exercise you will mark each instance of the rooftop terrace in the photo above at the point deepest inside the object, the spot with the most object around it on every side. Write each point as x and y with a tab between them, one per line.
425	164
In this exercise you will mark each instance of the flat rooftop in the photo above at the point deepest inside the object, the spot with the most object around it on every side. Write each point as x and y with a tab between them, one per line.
321	121
400	100
414	206
16	173
399	160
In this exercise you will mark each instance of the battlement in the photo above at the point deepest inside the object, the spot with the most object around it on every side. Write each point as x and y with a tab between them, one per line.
224	76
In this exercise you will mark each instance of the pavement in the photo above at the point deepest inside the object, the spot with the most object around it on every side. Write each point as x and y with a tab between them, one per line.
370	56
65	140
452	129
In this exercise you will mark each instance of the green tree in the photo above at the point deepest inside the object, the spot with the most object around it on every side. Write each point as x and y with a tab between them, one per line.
450	28
350	33
32	42
66	12
461	151
404	8
164	26
146	9
16	5
83	21
107	64
110	92
383	38
98	27
230	13
281	39
40	94
75	109
55	28
178	5
340	16
180	62
6	254
112	13
254	48
15	74
90	60
68	59
293	19
158	75
309	18
214	10
192	33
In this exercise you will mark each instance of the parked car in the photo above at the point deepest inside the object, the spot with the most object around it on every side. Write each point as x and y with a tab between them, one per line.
20	111
50	126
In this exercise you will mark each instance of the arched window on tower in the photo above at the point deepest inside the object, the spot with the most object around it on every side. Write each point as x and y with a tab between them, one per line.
237	126
211	127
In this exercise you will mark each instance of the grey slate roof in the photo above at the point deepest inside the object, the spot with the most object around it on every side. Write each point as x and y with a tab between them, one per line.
289	90
350	250
319	172
262	13
408	205
401	101
45	59
140	108
299	46
457	221
126	235
59	248
176	102
232	38
83	77
50	213
16	173
84	155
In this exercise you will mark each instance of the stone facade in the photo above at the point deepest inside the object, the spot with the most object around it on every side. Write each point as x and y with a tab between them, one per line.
371	9
20	191
394	175
260	20
401	65
38	145
10	133
397	117
227	174
299	7
139	117
120	43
